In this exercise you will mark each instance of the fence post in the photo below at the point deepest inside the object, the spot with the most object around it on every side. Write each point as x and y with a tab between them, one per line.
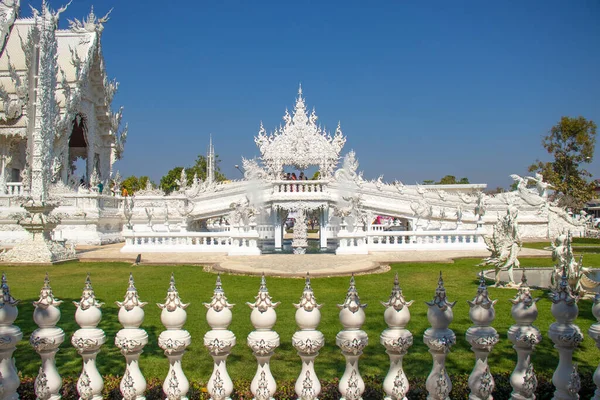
219	341
482	338
439	338
594	333
10	335
308	341
46	341
352	340
263	341
88	341
524	337
174	341
131	340
396	340
566	337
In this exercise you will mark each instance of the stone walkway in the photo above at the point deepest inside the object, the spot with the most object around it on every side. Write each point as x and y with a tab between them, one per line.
289	264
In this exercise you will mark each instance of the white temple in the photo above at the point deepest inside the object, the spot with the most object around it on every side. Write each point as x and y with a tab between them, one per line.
57	109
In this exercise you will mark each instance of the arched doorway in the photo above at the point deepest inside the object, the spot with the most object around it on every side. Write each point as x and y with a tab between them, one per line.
78	151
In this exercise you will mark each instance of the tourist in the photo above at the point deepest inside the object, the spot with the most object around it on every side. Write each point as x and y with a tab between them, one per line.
302	178
124	192
294	178
100	187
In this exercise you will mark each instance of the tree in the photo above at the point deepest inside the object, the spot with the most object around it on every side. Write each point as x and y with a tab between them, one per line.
447	180
168	183
133	183
571	143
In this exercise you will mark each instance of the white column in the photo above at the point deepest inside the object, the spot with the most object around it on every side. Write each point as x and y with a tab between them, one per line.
263	341
308	341
278	225
439	338
566	337
482	338
10	335
594	333
219	341
88	341
524	337
352	341
46	341
396	339
174	341
323	234
131	340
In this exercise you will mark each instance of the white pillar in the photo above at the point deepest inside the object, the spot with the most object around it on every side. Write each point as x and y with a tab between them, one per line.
439	338
219	341
263	341
594	333
396	339
279	230
46	341
482	338
352	341
566	337
88	341
10	335
174	341
324	225
308	341
524	337
131	340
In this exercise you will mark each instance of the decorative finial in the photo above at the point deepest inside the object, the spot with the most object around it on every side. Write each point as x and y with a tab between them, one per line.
523	294
46	296
172	302
352	301
88	297
396	297
218	302
308	301
300	89
131	297
439	299
263	300
6	296
482	298
564	292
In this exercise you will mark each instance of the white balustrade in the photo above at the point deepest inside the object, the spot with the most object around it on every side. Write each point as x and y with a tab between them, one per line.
219	341
299	188
396	339
439	338
566	337
131	340
263	341
46	341
524	337
594	333
308	341
14	188
352	340
482	338
88	341
174	341
10	335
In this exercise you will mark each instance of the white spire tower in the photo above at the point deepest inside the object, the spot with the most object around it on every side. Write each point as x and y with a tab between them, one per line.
210	163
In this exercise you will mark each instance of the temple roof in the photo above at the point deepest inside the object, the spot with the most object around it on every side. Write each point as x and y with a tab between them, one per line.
300	142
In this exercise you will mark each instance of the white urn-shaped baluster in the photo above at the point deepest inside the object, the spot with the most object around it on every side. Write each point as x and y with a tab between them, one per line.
131	340
45	341
308	341
352	341
482	338
524	337
174	341
88	341
439	338
566	337
263	341
396	339
10	335
219	341
594	333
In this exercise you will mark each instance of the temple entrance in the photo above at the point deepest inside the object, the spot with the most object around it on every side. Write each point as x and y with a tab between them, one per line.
78	152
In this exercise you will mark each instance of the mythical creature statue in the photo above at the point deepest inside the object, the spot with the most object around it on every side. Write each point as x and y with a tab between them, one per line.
529	196
480	205
504	244
253	171
562	255
242	213
541	186
349	169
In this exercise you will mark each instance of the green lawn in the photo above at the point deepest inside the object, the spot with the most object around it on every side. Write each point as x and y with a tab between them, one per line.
418	280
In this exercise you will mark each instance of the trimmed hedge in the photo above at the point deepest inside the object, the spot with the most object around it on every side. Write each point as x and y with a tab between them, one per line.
329	390
586	240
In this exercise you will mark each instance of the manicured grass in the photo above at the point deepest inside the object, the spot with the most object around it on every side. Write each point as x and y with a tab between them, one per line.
418	280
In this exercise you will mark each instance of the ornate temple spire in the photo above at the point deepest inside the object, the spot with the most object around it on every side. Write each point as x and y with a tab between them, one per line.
210	162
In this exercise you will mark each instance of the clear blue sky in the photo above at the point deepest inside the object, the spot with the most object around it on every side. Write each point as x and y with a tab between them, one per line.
422	89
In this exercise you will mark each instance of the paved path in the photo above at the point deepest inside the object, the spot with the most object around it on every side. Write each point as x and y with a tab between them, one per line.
289	264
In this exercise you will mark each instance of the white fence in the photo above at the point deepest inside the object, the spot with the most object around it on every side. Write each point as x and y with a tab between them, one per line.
307	340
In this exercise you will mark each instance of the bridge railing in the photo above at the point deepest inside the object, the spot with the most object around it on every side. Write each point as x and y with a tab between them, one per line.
284	186
308	340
